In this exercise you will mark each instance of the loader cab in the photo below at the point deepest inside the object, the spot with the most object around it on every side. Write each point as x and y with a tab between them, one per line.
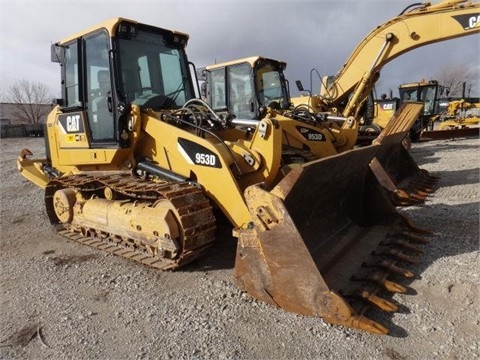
246	87
113	66
427	93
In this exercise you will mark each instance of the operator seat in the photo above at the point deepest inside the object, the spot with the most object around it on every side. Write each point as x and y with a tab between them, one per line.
102	128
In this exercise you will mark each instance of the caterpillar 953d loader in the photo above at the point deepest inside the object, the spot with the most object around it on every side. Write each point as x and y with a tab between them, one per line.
135	165
255	87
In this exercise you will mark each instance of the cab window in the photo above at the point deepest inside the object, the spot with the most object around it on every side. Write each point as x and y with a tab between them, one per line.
99	87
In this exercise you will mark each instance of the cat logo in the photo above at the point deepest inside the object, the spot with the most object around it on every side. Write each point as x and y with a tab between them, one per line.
468	21
73	123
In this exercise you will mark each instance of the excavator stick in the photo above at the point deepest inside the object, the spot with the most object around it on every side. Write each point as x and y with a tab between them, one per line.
393	165
326	242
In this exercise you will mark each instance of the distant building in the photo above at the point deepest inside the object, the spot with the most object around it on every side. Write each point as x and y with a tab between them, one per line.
7	114
12	126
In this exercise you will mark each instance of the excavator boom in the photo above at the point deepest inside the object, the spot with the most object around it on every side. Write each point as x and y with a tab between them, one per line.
418	25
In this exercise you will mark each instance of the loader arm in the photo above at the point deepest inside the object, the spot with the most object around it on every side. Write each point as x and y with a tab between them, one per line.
419	26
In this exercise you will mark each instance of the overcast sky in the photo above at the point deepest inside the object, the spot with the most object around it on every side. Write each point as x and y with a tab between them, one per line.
317	34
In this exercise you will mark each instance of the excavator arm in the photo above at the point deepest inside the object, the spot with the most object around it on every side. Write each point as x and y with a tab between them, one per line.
417	25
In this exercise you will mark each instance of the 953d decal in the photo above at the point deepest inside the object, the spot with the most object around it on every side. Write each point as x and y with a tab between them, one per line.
311	135
197	154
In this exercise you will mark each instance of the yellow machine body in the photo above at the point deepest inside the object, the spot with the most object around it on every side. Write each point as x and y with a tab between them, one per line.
135	167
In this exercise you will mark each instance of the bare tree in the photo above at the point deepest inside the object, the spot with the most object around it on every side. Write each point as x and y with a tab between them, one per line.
452	78
30	99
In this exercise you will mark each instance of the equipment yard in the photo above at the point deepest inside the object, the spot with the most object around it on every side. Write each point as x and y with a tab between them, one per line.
62	300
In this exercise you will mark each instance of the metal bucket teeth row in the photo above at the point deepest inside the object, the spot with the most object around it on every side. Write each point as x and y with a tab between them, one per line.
332	245
407	190
382	274
393	165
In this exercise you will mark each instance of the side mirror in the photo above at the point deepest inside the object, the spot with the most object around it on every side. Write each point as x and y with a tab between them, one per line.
57	53
299	85
203	90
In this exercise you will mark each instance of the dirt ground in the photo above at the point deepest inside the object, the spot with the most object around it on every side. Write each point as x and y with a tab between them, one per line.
62	300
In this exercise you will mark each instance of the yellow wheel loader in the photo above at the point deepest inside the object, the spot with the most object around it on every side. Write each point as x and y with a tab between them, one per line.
435	121
456	116
135	165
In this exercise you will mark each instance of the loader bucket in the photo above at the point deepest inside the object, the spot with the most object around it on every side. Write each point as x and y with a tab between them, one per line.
325	242
393	165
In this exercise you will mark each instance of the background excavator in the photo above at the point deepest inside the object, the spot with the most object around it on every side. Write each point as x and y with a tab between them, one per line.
416	26
135	165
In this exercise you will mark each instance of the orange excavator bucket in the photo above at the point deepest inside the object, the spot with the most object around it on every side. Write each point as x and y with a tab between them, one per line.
393	165
327	241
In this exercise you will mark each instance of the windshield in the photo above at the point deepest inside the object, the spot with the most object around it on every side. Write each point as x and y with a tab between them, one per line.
153	72
428	97
270	84
426	94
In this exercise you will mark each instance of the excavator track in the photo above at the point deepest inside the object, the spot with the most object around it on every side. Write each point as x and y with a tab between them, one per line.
194	216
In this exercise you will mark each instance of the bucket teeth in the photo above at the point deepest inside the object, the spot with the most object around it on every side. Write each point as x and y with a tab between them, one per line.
393	286
421	194
364	323
380	277
407	245
403	198
400	198
371	296
397	253
392	267
415	238
418	196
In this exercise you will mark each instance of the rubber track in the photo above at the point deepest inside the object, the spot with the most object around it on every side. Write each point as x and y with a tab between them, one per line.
195	216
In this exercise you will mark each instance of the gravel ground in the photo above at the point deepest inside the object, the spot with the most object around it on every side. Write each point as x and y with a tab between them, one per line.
62	300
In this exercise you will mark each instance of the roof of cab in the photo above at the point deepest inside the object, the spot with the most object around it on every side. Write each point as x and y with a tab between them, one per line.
110	25
251	60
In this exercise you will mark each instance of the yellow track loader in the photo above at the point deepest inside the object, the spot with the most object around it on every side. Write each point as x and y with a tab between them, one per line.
255	87
135	165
